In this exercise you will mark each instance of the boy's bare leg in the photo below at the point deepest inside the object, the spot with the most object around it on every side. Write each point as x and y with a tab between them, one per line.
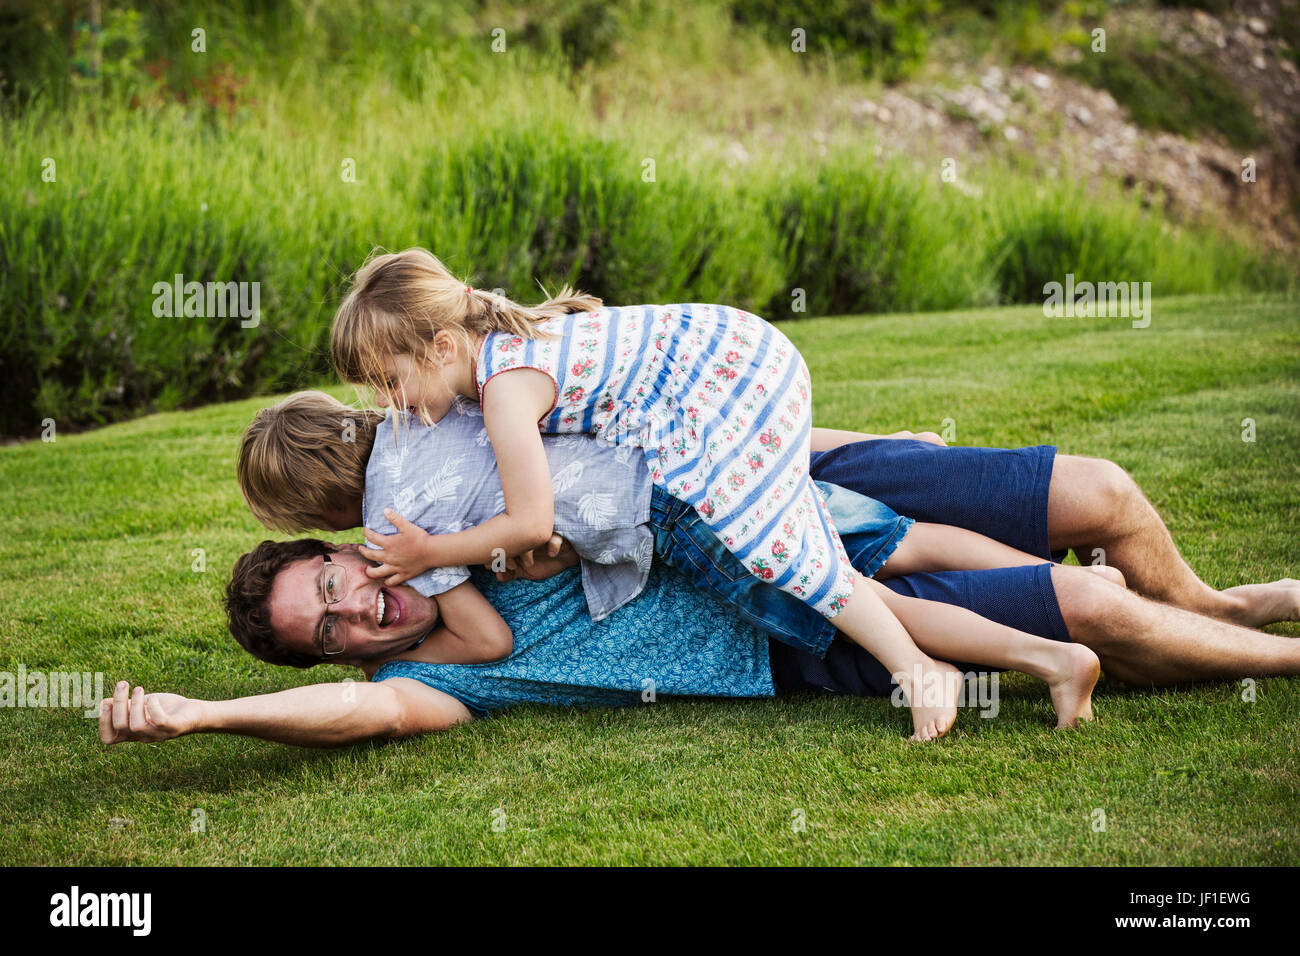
945	547
824	439
1144	642
957	634
1093	503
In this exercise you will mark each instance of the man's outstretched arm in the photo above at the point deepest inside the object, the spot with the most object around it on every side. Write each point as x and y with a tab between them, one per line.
319	715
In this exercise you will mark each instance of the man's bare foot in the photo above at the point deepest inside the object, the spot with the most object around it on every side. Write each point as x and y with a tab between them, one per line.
1071	686
931	690
1267	603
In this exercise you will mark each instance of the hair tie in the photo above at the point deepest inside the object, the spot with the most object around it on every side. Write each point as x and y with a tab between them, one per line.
469	290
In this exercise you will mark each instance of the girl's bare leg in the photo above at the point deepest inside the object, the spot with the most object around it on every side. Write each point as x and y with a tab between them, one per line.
944	630
930	686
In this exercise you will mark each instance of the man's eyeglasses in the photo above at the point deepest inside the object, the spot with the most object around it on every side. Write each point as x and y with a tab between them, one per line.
333	585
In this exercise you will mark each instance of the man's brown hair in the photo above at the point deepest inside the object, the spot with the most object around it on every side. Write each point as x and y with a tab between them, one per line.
304	457
248	610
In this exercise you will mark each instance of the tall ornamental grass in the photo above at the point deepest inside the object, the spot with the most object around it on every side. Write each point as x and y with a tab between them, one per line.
516	196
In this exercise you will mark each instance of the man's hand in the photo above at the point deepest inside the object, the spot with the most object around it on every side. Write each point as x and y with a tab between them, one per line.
146	717
317	715
404	554
537	567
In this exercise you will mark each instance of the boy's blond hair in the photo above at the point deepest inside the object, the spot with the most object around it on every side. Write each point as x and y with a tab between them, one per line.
400	300
304	457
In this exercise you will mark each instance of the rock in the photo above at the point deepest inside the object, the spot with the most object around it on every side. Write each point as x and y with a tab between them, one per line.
864	108
1257	26
1040	80
1259	62
1011	133
1080	113
884	114
991	78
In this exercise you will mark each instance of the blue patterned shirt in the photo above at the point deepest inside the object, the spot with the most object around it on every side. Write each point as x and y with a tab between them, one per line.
673	640
444	478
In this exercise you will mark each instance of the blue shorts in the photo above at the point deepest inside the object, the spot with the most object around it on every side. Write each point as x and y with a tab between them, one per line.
998	492
870	532
1022	598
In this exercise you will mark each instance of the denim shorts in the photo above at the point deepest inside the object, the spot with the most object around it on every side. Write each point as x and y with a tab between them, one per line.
998	492
870	532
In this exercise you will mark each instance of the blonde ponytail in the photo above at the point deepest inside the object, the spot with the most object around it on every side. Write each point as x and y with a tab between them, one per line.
399	301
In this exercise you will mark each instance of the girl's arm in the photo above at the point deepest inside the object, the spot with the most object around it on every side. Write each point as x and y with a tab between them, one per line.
513	402
472	632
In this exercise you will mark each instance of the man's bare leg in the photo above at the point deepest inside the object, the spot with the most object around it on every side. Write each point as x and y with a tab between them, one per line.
1143	642
1093	503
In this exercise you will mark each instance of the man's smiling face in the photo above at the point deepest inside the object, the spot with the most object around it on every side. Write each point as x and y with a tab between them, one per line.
372	621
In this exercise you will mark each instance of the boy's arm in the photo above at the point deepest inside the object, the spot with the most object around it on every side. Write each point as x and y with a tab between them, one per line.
319	715
539	565
472	631
824	439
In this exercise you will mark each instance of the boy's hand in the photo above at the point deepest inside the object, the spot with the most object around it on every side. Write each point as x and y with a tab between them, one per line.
404	554
537	567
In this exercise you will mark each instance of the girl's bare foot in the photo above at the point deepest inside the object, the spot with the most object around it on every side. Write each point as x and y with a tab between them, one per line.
1071	686
931	690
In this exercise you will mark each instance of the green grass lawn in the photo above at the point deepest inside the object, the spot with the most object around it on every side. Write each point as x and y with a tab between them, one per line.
96	556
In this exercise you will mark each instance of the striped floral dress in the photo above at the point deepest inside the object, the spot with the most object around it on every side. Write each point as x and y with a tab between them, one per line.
722	404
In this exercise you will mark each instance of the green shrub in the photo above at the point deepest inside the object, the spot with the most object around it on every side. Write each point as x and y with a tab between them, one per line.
501	167
885	39
860	237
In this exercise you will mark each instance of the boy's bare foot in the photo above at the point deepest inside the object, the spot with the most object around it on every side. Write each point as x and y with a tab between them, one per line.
931	690
1071	686
1267	603
1113	575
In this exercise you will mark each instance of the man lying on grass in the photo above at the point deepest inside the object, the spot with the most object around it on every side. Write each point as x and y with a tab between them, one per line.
674	640
444	477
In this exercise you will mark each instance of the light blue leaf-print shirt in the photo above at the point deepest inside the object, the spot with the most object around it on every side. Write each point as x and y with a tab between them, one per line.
444	478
